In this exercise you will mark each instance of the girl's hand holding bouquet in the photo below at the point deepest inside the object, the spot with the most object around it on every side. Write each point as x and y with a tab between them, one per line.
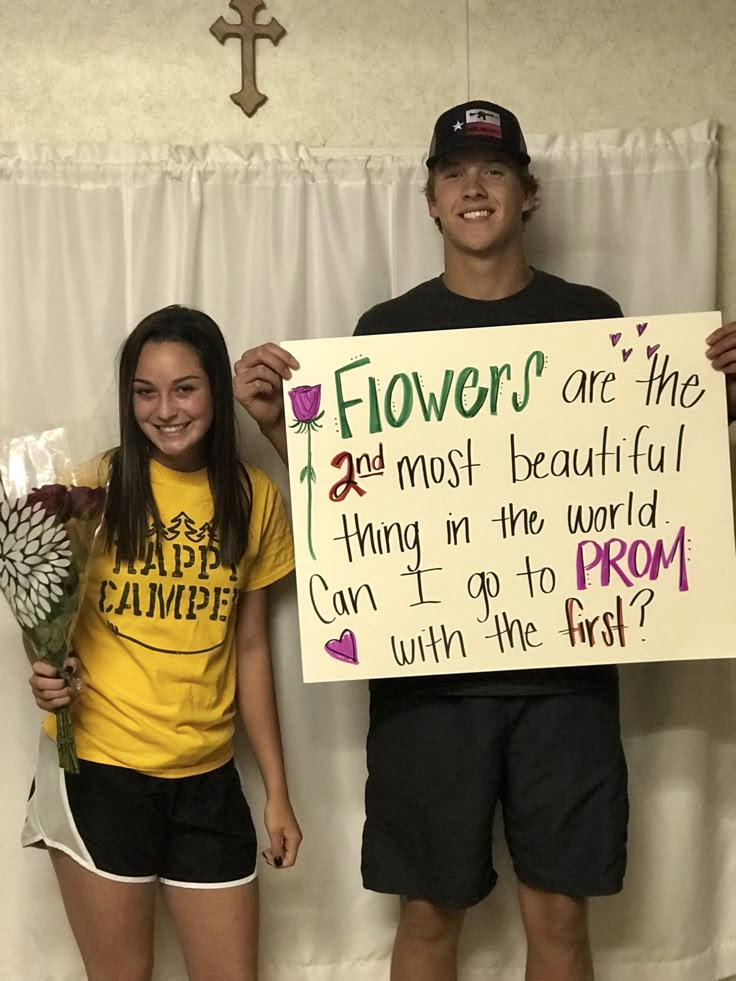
51	690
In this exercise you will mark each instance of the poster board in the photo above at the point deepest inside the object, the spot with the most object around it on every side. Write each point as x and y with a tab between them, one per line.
511	497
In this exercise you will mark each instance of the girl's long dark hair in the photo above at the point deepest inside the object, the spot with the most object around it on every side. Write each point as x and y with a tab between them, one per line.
131	507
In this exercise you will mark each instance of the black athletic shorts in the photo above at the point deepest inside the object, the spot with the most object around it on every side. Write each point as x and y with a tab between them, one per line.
437	766
193	831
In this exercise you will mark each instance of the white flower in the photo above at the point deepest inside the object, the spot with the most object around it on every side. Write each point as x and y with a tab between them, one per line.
35	558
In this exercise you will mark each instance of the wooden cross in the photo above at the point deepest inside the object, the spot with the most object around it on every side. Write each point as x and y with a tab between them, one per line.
248	98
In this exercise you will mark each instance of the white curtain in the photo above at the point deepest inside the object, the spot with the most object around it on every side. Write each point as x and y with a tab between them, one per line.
281	242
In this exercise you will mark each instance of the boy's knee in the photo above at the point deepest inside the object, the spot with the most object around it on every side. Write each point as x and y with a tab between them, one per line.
554	919
430	924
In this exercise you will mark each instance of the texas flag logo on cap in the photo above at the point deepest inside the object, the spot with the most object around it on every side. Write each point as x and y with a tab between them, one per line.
482	122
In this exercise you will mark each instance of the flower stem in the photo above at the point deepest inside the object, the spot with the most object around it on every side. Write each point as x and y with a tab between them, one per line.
65	741
309	491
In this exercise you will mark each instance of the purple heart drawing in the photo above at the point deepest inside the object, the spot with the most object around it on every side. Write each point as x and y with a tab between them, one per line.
640	328
627	353
651	348
344	649
615	338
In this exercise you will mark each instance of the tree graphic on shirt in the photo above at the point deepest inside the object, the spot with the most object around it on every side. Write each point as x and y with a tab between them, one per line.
200	534
181	524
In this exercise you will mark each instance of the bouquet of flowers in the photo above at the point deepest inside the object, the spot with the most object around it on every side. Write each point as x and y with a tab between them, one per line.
47	529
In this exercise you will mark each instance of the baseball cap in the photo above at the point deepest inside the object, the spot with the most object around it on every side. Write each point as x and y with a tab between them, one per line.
477	125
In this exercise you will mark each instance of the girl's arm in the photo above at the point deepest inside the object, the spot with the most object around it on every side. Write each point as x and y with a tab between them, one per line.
257	704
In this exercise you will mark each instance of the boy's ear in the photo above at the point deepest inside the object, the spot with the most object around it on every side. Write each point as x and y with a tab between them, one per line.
528	204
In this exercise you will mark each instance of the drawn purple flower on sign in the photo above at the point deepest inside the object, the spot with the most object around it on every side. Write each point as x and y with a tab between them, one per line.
305	400
305	403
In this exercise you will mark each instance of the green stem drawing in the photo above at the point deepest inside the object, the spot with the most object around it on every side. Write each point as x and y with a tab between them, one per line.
310	480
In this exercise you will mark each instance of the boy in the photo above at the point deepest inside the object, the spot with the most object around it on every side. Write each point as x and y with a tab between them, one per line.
545	744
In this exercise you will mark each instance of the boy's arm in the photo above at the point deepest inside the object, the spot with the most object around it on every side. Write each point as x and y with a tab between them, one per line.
258	383
722	353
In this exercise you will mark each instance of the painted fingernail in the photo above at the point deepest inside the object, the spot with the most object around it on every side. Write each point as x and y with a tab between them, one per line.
278	861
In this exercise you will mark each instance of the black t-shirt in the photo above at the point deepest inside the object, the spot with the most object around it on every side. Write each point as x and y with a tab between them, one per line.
431	306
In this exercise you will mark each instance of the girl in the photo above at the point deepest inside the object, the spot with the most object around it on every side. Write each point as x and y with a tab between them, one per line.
176	600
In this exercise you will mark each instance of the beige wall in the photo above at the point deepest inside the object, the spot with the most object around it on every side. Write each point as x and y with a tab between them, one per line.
371	73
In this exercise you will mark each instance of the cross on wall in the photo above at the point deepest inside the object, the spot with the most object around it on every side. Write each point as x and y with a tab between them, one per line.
248	31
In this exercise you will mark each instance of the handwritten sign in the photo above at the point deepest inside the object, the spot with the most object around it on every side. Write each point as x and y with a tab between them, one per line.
511	497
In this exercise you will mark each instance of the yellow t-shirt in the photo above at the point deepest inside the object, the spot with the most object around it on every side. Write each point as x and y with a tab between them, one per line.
155	637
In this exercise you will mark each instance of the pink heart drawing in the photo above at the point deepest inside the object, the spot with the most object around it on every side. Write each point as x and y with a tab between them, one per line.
344	649
627	353
651	348
615	338
640	328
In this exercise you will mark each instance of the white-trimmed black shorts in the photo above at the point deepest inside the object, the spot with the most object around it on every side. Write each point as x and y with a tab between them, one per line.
438	765
195	832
